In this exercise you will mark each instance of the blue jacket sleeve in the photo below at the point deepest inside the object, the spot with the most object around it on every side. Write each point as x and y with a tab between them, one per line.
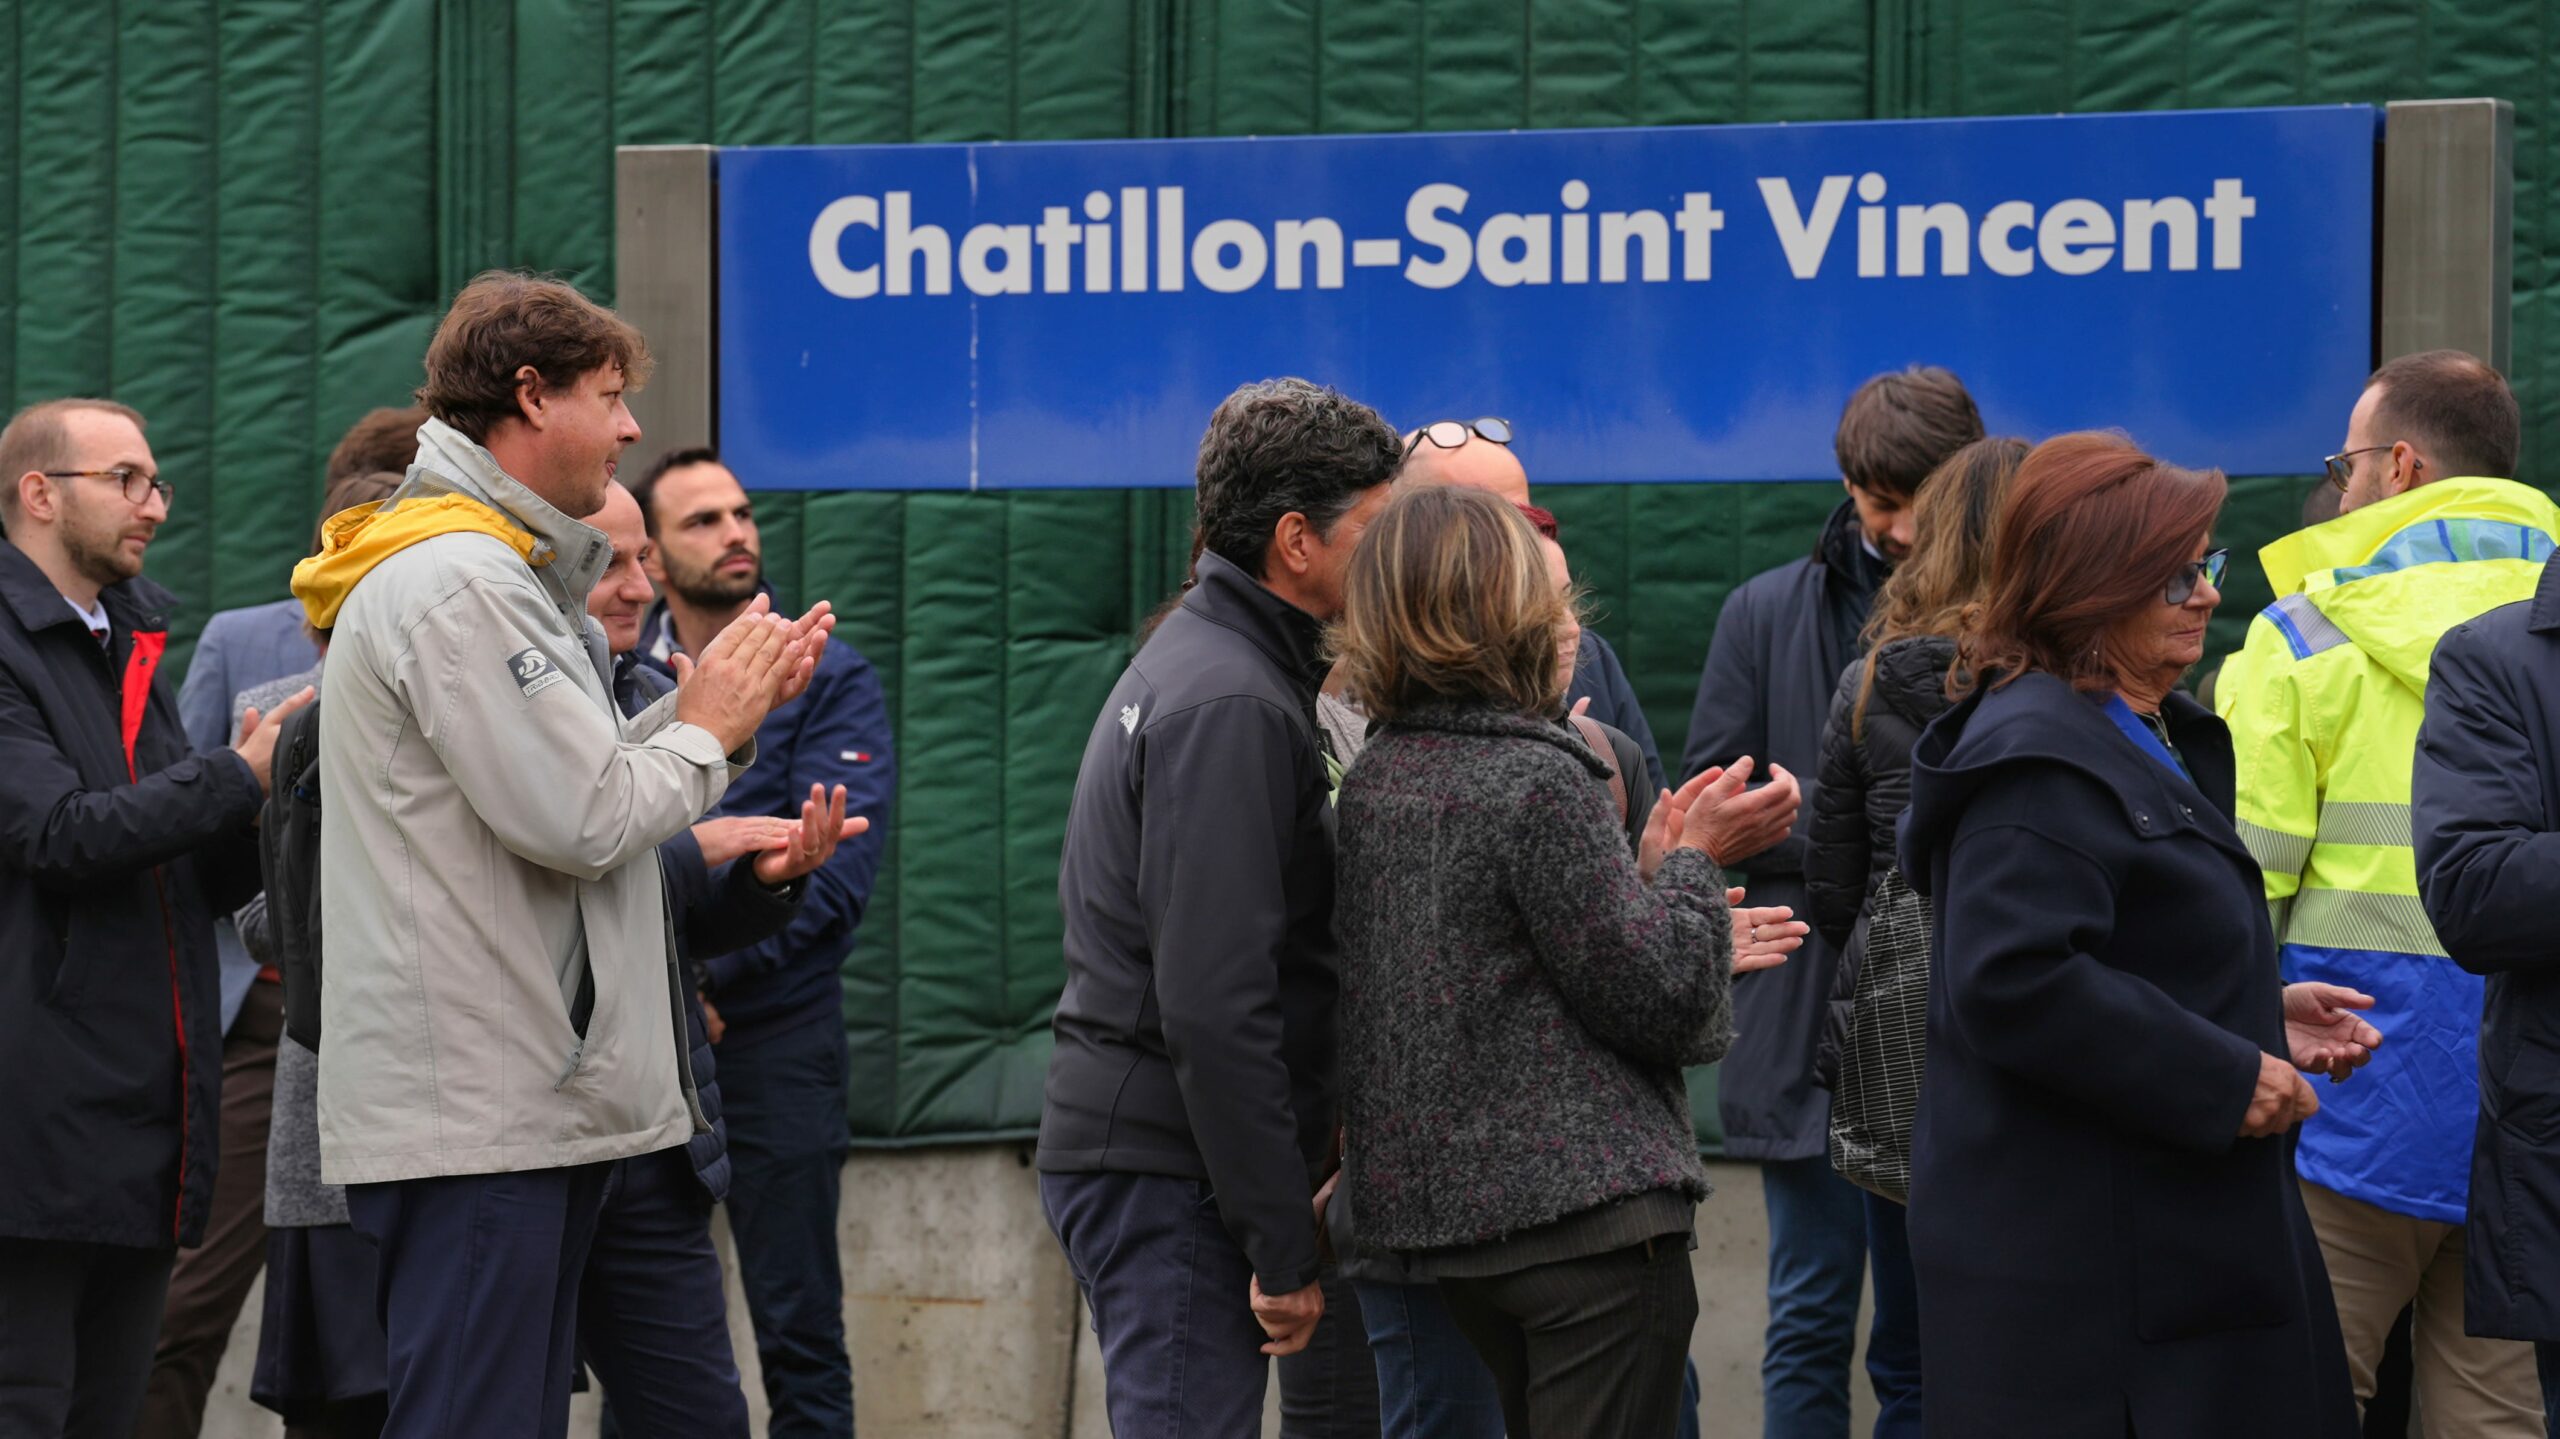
718	911
204	701
842	739
2488	869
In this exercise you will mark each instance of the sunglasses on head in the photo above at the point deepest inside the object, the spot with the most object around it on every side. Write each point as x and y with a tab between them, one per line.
1450	434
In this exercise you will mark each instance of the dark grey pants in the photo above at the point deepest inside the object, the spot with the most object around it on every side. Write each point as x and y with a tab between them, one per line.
1590	1348
77	1323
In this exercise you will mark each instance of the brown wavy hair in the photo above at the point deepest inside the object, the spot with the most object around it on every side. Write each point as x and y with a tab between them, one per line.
1448	598
1950	559
2092	531
503	321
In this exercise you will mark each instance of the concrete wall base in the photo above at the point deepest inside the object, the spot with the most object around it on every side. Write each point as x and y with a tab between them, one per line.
965	1324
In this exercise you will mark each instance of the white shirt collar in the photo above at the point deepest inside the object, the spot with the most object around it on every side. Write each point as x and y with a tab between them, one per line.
95	614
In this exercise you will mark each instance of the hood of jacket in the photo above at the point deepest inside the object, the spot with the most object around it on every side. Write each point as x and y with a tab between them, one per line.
2038	719
1911	678
456	487
2394	576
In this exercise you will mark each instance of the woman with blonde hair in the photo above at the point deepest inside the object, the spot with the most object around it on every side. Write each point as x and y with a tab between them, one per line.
1519	992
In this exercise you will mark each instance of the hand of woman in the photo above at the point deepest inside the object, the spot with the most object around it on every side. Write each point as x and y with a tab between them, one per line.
1764	937
2282	1100
1731	822
2323	1030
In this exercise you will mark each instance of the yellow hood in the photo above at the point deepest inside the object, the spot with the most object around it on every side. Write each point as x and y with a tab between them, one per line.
355	540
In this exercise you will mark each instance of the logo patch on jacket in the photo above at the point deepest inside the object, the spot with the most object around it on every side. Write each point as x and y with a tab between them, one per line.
1129	718
534	671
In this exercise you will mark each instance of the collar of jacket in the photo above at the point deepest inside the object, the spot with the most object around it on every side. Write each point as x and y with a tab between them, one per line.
1478	717
133	605
657	646
1228	597
2366	537
450	461
2038	718
1835	548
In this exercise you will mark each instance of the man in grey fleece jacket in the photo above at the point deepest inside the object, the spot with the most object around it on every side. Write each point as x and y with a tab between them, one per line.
1189	1109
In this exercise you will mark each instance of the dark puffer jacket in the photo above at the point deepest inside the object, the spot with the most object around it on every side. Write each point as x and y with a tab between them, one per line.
1865	786
1517	1003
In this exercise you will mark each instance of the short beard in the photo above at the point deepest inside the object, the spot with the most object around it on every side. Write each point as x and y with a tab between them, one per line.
708	589
103	564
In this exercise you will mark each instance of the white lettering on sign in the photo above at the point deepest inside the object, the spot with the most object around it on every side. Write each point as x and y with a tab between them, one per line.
1144	241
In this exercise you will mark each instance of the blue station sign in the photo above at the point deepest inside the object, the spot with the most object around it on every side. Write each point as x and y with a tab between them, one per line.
1676	304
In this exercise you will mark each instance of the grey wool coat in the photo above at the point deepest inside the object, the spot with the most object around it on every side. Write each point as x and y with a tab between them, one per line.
1517	1003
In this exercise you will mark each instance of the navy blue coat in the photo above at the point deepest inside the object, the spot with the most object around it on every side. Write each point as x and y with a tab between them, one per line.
713	912
2094	1242
2485	802
117	848
1765	692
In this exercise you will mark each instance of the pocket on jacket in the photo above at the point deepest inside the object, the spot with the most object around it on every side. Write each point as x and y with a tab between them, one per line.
2210	1248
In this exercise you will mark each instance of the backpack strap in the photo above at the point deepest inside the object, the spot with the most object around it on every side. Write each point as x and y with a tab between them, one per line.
1598	738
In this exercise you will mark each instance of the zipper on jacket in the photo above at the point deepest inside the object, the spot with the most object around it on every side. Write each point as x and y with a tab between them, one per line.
133	703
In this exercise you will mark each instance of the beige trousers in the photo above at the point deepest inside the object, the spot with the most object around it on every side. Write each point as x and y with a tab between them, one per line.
2378	1261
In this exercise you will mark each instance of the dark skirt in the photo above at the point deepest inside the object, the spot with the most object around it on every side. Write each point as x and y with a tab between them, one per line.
320	1338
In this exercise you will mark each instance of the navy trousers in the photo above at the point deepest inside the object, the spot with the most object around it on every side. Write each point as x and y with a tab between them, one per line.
652	1317
783	1098
1431	1382
1170	1296
1817	1262
478	1292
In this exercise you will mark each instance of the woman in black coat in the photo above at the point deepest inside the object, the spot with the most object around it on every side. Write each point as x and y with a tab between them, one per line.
1889	695
2104	1217
1884	701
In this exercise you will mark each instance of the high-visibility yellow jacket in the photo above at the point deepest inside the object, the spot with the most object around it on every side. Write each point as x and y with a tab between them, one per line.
2324	703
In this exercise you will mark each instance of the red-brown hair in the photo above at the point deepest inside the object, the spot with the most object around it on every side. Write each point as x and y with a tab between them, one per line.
2092	531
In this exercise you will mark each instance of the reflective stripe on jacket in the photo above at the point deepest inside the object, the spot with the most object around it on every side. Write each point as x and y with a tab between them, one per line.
2324	704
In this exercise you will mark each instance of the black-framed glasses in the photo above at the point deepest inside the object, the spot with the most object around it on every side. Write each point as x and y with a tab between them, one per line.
2340	465
137	485
2208	570
1449	434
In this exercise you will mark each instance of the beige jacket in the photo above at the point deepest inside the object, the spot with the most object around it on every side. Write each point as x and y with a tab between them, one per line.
489	843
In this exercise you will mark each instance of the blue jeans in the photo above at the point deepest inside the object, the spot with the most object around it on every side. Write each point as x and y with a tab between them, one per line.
1817	1258
478	1290
1893	1342
652	1318
1169	1292
1431	1385
783	1098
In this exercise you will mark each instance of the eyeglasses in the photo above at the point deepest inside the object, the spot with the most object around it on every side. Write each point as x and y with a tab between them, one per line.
1449	434
137	485
2338	466
2207	570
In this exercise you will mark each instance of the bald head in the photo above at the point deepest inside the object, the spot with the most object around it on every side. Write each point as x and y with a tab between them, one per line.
1479	463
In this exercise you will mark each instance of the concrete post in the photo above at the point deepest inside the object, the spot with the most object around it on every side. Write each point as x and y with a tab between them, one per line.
2448	228
666	281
